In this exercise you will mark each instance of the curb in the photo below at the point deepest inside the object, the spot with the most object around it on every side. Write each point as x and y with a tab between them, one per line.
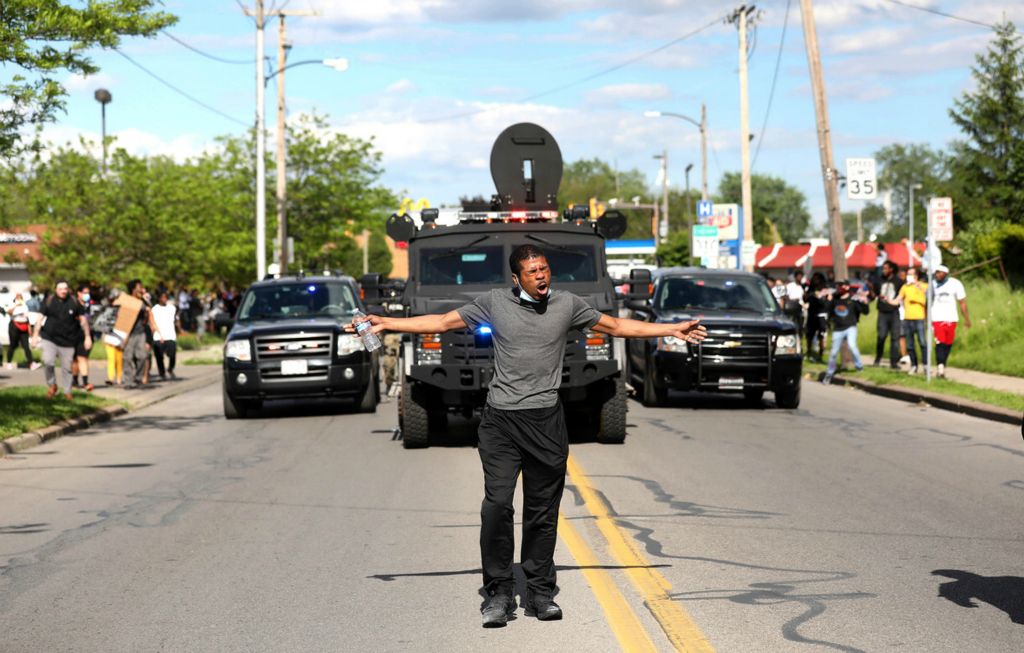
64	427
945	402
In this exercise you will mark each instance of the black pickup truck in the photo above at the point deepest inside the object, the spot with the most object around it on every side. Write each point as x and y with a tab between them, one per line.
288	341
751	346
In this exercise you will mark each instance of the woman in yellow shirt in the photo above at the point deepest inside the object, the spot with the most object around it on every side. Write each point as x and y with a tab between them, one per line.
914	297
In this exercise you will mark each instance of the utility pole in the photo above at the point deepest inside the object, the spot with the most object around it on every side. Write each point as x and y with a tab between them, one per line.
830	174
104	97
703	151
259	14
741	17
282	224
261	173
689	213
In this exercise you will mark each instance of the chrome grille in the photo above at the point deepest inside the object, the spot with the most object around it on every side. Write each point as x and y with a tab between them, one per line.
726	347
293	345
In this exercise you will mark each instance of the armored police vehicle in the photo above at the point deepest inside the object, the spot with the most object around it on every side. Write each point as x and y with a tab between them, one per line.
449	266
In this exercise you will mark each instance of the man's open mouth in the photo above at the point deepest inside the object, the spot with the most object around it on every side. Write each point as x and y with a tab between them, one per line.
542	287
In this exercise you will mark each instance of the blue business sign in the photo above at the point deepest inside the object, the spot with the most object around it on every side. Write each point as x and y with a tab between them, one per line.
705	209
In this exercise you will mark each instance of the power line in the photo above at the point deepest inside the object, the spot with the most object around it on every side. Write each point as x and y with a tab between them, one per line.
246	62
582	80
941	13
775	78
181	92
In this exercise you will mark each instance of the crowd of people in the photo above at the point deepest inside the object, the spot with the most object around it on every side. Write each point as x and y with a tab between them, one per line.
822	305
139	330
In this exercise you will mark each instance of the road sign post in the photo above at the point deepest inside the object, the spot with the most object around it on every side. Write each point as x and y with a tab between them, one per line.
705	244
940	218
861	179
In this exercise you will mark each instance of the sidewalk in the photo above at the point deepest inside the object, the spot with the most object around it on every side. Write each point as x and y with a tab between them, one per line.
1014	384
23	376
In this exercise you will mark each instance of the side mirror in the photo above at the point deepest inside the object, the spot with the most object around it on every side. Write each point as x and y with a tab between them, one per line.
640	286
369	288
637	304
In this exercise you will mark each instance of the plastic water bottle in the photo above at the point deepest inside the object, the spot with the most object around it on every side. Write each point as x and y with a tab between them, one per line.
363	329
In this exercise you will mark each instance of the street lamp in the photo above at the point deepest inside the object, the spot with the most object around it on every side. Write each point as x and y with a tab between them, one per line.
104	97
703	127
339	64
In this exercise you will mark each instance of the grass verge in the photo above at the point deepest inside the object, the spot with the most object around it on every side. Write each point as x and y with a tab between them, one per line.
211	360
887	377
26	408
993	343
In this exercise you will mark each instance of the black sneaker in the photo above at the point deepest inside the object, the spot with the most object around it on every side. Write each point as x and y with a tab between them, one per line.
498	610
544	608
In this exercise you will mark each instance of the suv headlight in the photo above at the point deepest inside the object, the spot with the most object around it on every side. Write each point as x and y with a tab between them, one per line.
349	343
240	350
598	346
673	344
787	344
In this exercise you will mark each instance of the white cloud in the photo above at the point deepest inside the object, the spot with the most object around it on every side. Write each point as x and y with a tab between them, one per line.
135	141
80	83
614	94
400	87
871	40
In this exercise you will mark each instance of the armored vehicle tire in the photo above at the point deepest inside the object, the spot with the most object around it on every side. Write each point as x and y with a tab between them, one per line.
753	395
415	422
652	395
370	397
788	398
234	408
612	429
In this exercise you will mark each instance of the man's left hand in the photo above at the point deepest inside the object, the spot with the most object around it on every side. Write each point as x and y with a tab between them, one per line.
692	331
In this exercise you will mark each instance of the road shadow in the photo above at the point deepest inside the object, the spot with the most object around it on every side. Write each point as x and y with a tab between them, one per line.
23	529
714	401
518	571
1003	592
104	466
151	423
327	407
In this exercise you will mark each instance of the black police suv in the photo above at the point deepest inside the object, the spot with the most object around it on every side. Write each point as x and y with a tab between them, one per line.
751	345
288	341
450	265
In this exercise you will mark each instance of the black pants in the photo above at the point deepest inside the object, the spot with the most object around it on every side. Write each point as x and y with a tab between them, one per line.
535	442
18	337
889	327
167	348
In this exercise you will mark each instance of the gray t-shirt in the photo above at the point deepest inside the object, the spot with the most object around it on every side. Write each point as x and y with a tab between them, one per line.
529	343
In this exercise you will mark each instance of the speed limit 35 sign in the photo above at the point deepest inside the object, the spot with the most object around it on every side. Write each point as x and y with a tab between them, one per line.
861	181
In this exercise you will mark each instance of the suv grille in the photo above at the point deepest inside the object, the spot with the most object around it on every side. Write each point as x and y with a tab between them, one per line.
314	348
726	347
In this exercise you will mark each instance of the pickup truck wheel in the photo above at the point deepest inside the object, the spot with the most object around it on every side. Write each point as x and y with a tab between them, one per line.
368	400
234	408
753	395
612	429
652	394
415	420
788	398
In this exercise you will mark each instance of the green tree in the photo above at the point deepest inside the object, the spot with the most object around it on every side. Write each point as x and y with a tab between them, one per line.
334	192
42	39
901	165
988	164
674	250
780	210
594	178
872	218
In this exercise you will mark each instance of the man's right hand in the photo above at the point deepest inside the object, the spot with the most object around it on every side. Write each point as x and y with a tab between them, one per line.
375	320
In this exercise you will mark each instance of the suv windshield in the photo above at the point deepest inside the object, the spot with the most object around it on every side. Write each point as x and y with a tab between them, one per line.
454	266
299	299
718	293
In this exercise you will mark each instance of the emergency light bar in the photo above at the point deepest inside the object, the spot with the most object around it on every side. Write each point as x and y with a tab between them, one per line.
509	216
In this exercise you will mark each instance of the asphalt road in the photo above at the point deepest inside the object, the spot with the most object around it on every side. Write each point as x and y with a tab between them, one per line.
854	523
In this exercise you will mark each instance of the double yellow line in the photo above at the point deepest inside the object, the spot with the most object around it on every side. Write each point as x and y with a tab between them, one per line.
675	622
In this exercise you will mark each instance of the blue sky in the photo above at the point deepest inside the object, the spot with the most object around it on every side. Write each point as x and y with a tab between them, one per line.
418	67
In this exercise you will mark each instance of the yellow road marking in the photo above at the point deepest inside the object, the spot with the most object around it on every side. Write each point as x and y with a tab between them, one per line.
680	628
624	623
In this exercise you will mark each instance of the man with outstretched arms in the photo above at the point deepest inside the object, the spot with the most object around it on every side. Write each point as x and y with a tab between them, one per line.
523	426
